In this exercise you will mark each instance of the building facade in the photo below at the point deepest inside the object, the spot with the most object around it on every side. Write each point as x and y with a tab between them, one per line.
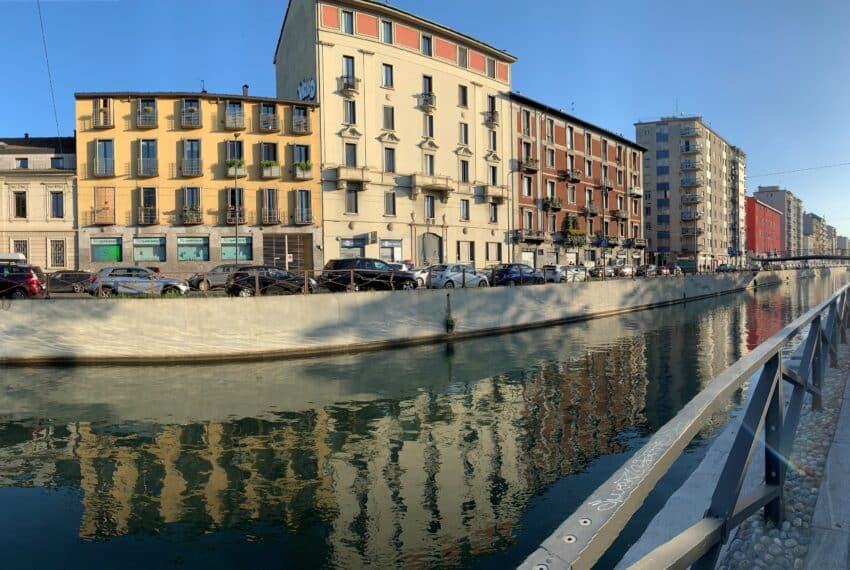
37	194
577	189
814	227
694	193
841	244
791	208
765	228
186	181
415	140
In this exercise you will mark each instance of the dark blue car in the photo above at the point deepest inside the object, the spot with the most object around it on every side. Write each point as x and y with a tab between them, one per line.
511	274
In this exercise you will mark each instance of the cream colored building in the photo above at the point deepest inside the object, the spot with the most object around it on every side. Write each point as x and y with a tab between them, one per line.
188	181
415	141
37	194
694	193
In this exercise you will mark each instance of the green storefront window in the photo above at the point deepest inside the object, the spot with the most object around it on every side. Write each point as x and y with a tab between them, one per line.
106	250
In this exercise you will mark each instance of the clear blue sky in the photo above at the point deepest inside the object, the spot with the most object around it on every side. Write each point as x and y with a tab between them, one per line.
771	76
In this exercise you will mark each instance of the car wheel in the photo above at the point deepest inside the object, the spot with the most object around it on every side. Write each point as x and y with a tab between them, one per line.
78	288
171	291
483	283
539	281
18	294
420	282
408	285
449	284
204	285
510	283
106	292
245	292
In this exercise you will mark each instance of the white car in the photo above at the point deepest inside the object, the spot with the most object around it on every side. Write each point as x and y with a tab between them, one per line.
457	275
575	273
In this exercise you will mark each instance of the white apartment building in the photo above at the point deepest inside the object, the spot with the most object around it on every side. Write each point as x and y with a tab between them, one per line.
415	151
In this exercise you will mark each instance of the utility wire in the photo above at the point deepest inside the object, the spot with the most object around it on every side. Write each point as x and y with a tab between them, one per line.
799	170
49	77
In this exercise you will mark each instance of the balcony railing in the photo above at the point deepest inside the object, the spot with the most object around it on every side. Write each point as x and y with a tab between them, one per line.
690	132
639	243
146	119
636	192
301	126
619	214
191	216
606	183
692	182
190	119
692	231
428	102
348	85
104	167
552	204
346	174
191	167
691	216
690	148
494	193
147	167
271	216
691	165
269	123
234	120
530	236
590	210
691	198
231	217
420	182
148	216
529	165
491	118
101	119
303	216
102	216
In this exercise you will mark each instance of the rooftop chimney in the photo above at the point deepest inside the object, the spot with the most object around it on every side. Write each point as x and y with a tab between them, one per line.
245	90
26	135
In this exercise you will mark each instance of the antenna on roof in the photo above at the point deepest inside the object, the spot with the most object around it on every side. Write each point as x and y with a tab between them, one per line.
203	87
572	106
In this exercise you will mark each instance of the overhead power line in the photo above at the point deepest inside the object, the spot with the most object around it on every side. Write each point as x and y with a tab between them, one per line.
49	77
799	170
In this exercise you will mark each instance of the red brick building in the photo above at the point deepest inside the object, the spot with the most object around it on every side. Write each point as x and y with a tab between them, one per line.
577	188
765	227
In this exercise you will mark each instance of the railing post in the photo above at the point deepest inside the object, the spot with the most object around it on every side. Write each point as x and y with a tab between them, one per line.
351	280
463	277
256	283
152	287
521	282
207	286
306	282
818	363
428	277
775	450
392	280
47	287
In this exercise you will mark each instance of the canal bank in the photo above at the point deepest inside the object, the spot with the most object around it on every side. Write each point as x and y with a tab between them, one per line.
208	330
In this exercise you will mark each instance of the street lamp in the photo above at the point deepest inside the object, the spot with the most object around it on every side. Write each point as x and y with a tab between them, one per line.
236	198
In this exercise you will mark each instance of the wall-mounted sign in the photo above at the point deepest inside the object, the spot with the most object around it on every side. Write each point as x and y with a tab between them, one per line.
307	90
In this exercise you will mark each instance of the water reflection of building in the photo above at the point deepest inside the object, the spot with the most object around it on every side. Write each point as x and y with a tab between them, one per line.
439	477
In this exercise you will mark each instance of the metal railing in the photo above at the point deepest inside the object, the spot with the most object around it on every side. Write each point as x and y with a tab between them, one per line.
101	119
348	84
590	210
269	123
146	119
104	167
191	167
148	216
428	101
234	120
685	149
231	218
190	119
491	118
584	537
148	167
271	216
301	126
191	216
302	216
529	165
102	216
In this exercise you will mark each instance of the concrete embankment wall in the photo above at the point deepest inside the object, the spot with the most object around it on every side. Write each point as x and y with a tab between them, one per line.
198	329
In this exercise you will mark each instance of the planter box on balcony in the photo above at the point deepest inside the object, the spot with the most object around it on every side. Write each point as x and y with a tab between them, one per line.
302	173
238	171
270	171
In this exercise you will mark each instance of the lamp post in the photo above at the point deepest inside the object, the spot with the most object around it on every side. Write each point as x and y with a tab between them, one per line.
236	199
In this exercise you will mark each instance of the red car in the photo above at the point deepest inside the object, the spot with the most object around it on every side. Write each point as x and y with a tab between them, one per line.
21	281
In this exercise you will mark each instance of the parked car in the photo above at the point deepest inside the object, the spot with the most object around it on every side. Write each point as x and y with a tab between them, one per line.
676	270
133	281
725	268
609	271
268	280
215	278
364	274
647	270
663	270
421	275
516	274
67	281
457	275
21	281
554	273
626	271
575	272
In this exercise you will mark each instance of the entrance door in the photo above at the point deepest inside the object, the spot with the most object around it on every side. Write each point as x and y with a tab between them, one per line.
288	251
430	249
528	257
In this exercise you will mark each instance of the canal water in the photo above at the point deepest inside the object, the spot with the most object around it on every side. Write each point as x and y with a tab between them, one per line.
462	455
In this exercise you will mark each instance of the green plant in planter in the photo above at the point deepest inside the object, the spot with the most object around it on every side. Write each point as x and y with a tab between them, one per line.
235	162
268	163
147	109
191	109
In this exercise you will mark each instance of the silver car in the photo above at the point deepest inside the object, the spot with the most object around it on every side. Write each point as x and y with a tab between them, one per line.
457	275
133	281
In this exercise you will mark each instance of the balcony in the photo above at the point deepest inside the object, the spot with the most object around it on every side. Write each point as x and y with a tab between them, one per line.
302	171
146	118
269	169
348	85
691	216
420	182
104	216
690	132
606	183
102	119
613	240
690	149
234	120
636	192
590	210
691	199
602	240
191	167
692	182
428	102
639	243
692	231
491	118
570	174
619	214
269	123
552	204
231	218
530	236
191	216
346	174
147	167
301	126
574	238
103	167
190	119
271	217
148	216
302	217
691	165
529	165
495	194
236	168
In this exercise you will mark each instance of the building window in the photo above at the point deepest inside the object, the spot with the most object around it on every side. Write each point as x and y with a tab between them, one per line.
428	126
387	75
604	150
491	67
494	175
57	205
193	248
149	249
526	122
268	152
635	207
619	177
390	250
389	118
550	189
348	71
427	85
389	159
588	168
20	204
430	214
464	134
57	253
589	227
571	194
528	220
462	57
662	170
570	138
462	96
389	203
21	246
349	112
621	229
105	158
526	186
106	250
22	163
491	141
550	158
347	22
466	251
57	162
301	153
494	251
464	171
588	146
464	210
192	204
229	247
494	213
526	151
552	223
588	196
429	164
351	199
233	150
386	31
605	172
350	154
426	45
550	131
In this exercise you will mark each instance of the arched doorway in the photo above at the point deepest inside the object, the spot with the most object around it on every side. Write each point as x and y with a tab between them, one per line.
430	249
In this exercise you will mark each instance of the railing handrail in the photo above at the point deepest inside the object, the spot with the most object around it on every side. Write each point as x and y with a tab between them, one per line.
585	536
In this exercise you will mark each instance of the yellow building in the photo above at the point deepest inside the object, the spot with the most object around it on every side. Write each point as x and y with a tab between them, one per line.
186	181
415	137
